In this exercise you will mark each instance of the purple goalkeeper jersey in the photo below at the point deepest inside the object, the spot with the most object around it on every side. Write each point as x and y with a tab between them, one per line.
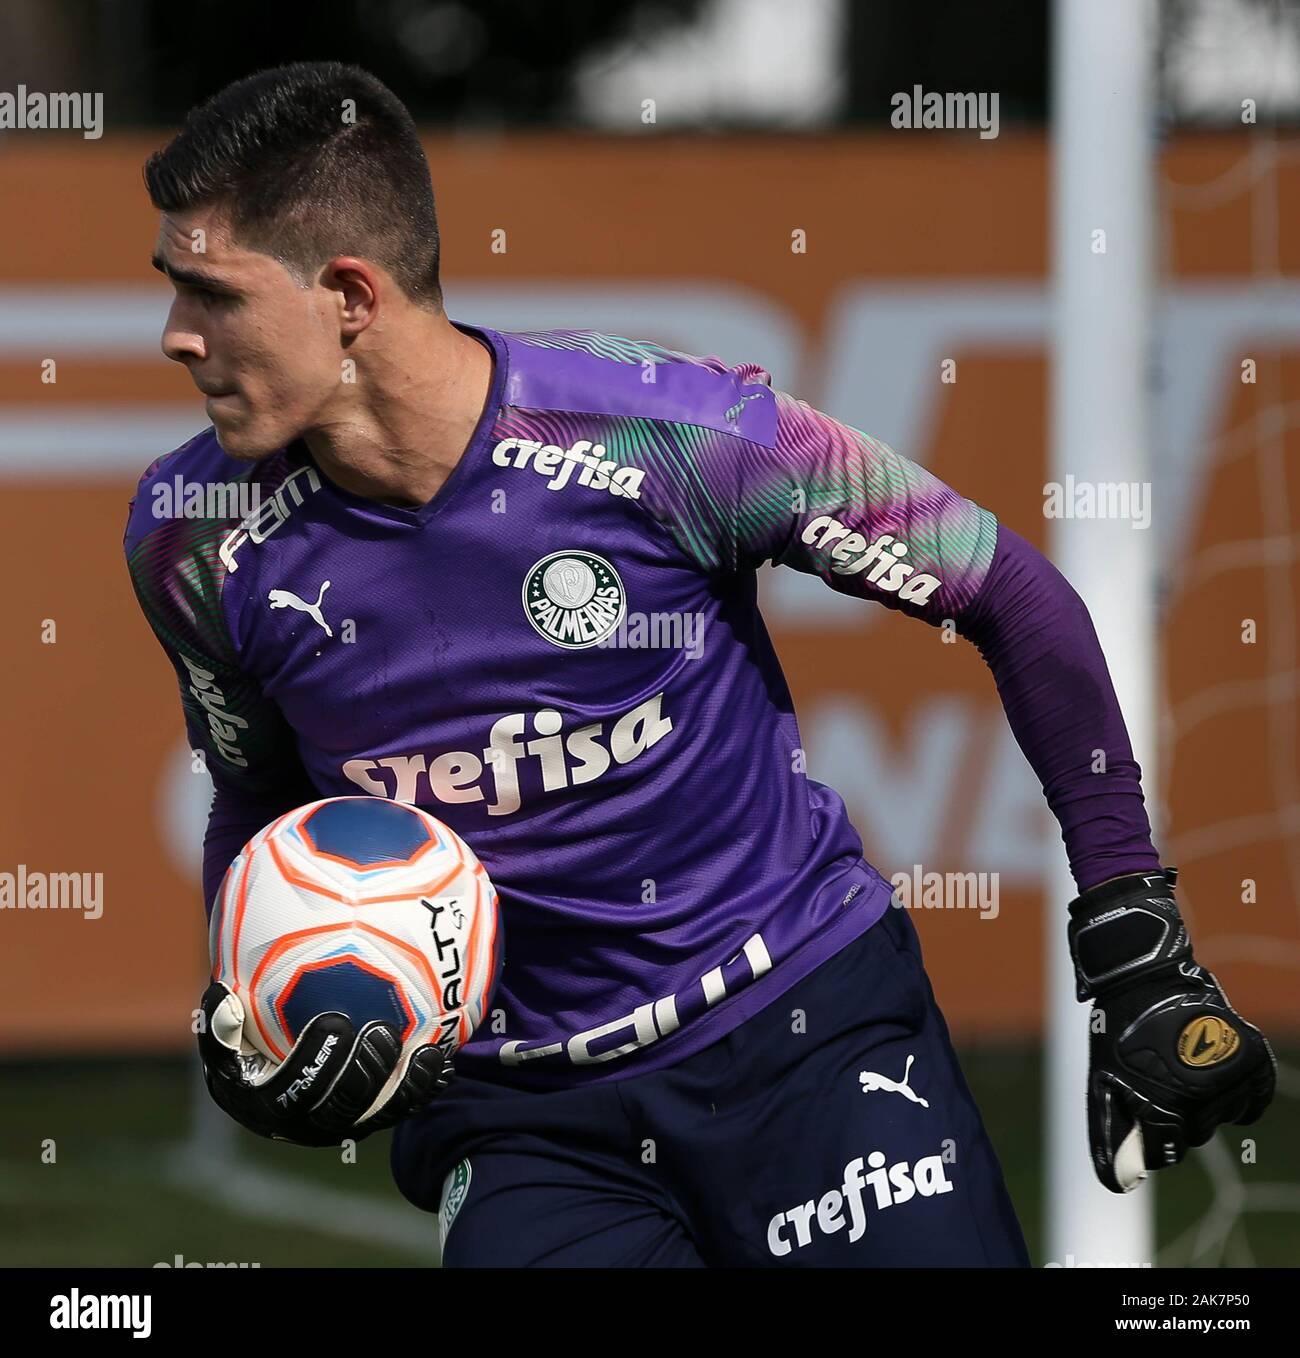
561	656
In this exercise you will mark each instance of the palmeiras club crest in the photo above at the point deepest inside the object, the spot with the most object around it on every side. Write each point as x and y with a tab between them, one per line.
574	599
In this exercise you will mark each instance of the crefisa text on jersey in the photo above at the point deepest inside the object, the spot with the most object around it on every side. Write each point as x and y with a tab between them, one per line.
853	554
550	460
892	1185
454	776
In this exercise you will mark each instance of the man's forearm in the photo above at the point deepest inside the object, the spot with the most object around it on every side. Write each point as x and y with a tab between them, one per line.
1036	636
232	822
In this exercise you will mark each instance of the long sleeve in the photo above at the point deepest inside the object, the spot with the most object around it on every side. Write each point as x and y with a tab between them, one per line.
246	745
233	820
828	500
881	527
1037	638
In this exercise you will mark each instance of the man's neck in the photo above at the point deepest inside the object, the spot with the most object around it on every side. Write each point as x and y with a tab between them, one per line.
418	403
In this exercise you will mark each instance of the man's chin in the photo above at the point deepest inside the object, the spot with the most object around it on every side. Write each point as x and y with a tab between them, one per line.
244	445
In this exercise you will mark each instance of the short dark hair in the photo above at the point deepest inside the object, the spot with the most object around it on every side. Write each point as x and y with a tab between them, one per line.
309	161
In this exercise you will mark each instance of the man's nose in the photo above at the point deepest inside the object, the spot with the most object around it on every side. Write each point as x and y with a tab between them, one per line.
179	340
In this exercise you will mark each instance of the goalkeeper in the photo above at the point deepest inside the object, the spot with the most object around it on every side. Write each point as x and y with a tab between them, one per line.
713	1041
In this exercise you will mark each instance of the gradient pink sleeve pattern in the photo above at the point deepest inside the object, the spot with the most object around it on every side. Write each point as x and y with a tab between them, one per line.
834	502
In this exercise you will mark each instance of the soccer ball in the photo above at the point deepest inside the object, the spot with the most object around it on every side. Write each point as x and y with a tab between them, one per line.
359	906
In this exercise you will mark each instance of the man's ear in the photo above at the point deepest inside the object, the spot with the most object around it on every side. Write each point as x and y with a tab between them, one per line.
359	287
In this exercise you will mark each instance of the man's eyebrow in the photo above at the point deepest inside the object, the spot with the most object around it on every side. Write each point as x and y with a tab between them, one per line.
194	278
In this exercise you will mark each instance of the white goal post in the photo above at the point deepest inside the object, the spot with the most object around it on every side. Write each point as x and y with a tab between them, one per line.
1102	181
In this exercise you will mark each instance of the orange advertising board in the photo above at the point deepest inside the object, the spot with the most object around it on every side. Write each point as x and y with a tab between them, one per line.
854	268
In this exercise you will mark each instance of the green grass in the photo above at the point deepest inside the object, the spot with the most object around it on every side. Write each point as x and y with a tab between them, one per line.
114	1197
110	1197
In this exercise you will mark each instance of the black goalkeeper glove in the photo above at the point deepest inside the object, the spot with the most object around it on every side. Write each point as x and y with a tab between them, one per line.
330	1078
1170	1059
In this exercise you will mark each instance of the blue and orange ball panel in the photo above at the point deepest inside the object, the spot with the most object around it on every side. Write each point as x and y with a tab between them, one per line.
344	985
367	832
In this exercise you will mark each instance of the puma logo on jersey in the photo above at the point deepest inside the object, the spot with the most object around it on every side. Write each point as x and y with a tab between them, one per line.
550	460
286	598
872	1082
735	412
853	554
